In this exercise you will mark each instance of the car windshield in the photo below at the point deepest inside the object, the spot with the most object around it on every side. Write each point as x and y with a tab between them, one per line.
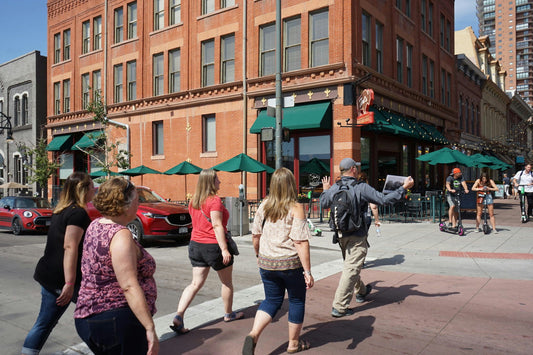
31	203
149	196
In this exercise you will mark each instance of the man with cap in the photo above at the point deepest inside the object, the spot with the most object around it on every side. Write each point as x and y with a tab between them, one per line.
354	245
454	184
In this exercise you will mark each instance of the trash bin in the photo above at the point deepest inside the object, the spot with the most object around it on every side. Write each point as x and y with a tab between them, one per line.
234	223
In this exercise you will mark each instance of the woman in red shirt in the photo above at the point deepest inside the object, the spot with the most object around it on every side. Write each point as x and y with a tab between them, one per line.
208	248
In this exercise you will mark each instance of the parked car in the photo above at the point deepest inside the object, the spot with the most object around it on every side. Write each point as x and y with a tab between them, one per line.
23	214
156	218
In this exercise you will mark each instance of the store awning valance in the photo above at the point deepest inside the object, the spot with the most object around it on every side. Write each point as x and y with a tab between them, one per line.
88	140
391	122
309	116
60	143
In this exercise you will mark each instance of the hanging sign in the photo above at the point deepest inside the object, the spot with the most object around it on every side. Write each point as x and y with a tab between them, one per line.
364	101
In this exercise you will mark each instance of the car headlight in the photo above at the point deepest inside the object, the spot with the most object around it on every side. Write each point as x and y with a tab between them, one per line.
153	215
27	214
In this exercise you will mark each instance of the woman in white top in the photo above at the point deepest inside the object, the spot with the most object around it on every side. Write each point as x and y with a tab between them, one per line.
281	242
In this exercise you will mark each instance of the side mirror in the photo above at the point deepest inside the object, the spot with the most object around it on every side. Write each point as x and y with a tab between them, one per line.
7	207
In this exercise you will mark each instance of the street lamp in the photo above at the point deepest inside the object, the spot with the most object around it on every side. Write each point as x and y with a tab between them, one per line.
5	123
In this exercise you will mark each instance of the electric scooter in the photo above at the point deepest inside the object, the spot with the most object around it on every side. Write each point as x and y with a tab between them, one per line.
522	197
486	227
459	230
316	231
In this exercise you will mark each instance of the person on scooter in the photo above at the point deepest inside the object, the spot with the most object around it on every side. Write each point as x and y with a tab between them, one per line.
525	177
454	184
484	185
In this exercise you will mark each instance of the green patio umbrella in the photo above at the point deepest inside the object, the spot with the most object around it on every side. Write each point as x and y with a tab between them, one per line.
184	168
243	162
315	166
446	156
103	173
139	170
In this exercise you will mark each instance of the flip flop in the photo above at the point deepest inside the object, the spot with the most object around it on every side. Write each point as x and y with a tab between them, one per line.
230	317
178	328
302	346
249	345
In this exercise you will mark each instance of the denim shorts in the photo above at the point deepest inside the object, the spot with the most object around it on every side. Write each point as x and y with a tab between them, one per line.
207	255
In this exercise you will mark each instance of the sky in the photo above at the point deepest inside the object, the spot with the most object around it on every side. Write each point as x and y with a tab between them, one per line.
24	25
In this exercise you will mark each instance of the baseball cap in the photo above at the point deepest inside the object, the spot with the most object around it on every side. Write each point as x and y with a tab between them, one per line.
347	164
456	171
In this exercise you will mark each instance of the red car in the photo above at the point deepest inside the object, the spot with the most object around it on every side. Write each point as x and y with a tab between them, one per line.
23	214
156	218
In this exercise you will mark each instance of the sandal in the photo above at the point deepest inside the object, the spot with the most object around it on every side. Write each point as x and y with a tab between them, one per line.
178	325
302	346
249	345
230	317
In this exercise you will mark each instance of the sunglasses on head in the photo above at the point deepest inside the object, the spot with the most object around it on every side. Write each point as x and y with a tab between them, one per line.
129	187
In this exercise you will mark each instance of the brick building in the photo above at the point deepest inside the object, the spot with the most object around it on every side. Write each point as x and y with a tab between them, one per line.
190	80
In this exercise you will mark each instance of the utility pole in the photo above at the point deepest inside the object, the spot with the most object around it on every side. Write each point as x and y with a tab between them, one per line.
278	129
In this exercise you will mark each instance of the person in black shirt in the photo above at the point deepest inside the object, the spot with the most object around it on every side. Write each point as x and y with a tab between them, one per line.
58	271
455	183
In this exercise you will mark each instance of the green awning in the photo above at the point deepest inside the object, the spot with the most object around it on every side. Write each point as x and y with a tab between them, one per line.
435	134
60	143
88	140
309	116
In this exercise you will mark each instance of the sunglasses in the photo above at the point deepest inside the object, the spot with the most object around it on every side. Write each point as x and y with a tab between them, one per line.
129	187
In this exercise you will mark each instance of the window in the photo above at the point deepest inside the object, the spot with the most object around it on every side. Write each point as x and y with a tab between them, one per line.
1	106
86	37
158	74
424	75
85	94
448	35
461	123
25	110
399	59
159	14
366	23
409	64
119	25
175	12
423	16
228	58
209	134
292	46
399	4
132	20
431	79
174	64
131	80
66	96
208	6
379	47
57	48
408	8
157	138
227	3
443	86
57	99
117	83
97	30
267	55
208	62
442	24
448	89
319	38
17	111
430	19
66	45
97	84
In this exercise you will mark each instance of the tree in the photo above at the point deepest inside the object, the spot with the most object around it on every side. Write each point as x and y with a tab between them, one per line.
105	152
36	160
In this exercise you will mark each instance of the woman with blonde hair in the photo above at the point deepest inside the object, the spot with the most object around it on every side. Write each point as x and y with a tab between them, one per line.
58	271
118	292
281	242
484	187
208	248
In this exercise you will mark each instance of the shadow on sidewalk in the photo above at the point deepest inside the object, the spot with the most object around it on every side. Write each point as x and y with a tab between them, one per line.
395	260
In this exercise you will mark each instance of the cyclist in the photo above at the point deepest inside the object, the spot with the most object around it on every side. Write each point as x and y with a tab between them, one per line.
454	184
525	177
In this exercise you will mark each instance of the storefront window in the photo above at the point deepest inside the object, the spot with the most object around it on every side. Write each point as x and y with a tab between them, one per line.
314	156
405	160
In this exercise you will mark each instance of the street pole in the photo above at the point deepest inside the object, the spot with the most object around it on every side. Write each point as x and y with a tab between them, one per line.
278	85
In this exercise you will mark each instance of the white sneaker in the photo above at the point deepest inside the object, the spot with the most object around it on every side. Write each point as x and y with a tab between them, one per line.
477	230
495	231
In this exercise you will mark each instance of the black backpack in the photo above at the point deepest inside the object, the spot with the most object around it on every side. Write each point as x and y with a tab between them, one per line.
345	213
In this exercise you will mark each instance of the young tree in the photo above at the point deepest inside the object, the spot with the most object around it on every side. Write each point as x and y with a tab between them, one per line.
36	160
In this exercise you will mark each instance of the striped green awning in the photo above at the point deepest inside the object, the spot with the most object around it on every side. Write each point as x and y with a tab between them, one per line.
309	116
60	143
88	140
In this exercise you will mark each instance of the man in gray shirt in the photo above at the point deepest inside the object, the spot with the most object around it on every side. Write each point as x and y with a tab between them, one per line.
354	245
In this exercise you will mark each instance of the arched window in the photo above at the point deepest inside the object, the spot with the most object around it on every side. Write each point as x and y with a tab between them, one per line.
17	112
25	118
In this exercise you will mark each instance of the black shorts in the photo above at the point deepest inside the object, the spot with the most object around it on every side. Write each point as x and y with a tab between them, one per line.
205	255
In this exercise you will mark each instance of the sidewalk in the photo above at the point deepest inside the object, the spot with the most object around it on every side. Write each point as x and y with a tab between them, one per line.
433	293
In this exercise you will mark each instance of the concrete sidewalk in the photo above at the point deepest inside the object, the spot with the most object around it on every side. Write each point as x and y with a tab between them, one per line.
433	293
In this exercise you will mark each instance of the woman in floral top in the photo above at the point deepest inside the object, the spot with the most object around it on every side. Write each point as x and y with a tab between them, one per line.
117	298
281	242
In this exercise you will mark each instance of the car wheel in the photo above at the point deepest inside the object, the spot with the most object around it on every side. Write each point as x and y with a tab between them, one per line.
16	226
136	230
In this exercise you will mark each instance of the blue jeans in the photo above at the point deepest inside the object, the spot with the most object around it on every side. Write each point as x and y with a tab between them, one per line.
47	319
275	283
113	332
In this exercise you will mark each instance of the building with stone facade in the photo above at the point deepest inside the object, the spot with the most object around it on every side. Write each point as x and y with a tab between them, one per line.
23	100
191	80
